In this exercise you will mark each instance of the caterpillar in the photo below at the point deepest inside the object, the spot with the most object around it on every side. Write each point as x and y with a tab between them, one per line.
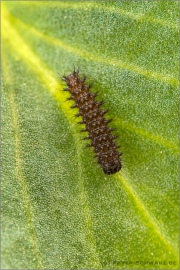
96	124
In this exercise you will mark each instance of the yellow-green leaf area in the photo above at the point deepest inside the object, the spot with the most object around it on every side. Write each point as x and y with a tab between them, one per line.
59	210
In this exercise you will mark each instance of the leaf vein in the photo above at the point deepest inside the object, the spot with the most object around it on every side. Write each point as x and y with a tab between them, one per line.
148	218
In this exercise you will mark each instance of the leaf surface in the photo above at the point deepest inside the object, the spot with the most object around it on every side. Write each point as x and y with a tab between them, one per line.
59	209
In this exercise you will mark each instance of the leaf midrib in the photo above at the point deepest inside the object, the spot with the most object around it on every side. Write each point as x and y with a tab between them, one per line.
48	78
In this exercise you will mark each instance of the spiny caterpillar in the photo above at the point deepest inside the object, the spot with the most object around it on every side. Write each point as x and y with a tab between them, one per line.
95	124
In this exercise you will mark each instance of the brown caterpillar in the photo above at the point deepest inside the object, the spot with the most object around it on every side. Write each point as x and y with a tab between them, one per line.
95	124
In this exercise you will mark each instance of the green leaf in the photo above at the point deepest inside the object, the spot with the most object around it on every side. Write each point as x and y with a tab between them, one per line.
59	210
